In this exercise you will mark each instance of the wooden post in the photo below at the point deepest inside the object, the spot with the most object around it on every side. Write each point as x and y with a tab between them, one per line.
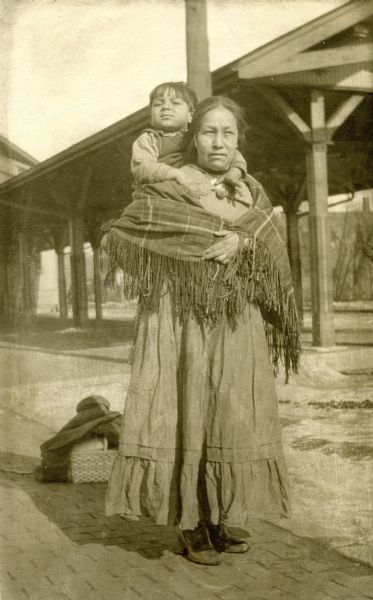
25	306
293	246
323	333
363	267
97	282
366	207
62	284
197	46
60	240
368	216
317	136
94	236
78	271
4	291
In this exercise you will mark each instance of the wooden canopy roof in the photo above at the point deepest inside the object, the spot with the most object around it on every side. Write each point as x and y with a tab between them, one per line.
333	52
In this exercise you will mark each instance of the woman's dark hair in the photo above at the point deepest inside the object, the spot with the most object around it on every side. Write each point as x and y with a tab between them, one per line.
202	109
181	90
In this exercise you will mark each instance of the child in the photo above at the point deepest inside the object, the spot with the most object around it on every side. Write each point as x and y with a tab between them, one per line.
159	151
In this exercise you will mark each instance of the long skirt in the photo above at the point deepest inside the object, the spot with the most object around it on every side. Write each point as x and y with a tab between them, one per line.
200	437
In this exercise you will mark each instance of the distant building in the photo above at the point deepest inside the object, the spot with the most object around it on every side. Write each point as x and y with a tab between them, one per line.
13	160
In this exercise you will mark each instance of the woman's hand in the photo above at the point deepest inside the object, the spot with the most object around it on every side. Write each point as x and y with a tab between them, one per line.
225	249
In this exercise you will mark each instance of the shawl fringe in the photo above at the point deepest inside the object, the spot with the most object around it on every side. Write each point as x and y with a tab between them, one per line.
212	291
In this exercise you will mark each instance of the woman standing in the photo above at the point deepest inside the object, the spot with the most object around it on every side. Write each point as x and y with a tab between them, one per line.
201	440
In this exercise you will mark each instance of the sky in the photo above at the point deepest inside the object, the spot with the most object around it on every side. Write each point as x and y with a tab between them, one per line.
69	68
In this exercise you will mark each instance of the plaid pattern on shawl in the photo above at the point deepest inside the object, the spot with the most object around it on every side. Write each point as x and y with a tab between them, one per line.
159	240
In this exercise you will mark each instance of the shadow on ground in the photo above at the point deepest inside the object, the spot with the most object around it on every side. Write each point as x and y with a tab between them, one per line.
77	510
50	333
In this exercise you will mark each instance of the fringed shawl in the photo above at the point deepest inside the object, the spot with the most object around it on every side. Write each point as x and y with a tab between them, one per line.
159	241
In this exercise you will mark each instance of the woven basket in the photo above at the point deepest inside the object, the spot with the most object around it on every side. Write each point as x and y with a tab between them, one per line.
91	461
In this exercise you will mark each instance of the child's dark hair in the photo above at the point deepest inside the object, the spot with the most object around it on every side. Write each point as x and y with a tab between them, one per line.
181	90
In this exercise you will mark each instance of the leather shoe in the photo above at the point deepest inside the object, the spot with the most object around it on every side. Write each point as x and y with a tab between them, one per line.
198	546
223	541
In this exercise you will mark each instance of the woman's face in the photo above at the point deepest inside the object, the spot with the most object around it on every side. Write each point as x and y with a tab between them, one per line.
216	140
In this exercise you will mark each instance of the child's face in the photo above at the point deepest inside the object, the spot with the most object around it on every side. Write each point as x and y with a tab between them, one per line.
169	113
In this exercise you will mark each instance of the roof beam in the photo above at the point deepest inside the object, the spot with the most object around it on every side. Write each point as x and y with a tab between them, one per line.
286	111
305	36
124	128
59	198
86	180
33	209
343	111
306	61
27	202
356	79
59	237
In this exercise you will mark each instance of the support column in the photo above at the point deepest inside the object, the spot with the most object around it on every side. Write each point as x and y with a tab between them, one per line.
62	285
323	333
363	255
198	67
4	291
25	298
97	282
78	271
59	236
369	243
317	136
293	247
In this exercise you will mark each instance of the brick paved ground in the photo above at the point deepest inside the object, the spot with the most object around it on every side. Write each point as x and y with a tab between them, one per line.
57	544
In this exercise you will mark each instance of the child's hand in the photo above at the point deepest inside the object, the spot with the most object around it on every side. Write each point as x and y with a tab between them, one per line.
184	180
233	176
241	195
181	178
